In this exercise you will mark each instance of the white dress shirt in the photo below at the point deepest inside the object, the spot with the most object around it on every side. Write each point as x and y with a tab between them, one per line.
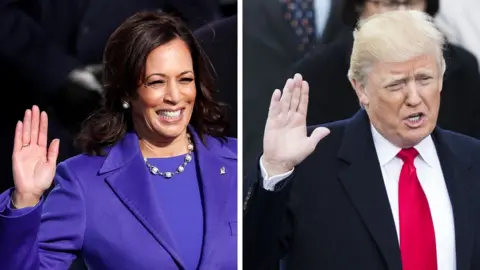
322	9
431	179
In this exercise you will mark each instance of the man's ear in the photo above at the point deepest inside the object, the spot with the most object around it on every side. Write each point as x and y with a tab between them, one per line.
360	90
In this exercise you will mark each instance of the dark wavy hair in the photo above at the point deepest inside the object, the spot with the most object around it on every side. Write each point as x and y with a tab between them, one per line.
124	62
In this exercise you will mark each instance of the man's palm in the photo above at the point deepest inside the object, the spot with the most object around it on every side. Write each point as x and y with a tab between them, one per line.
286	143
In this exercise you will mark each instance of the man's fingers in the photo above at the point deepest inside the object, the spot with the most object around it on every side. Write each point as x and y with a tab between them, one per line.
286	96
297	80
317	135
275	106
53	151
303	105
35	124
27	123
43	132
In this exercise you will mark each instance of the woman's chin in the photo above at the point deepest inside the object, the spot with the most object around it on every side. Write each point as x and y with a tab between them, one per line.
171	131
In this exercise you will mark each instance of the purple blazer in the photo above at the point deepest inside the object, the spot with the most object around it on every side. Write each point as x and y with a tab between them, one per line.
105	209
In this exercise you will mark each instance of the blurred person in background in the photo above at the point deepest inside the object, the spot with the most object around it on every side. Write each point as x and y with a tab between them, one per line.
219	41
276	34
50	55
460	22
333	98
156	184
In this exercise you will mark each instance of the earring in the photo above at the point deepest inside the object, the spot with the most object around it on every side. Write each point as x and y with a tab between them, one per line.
125	105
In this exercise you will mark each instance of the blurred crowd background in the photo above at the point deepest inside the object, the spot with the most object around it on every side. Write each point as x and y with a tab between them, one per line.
314	38
51	55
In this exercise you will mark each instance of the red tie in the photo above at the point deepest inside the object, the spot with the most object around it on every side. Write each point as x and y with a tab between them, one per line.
417	235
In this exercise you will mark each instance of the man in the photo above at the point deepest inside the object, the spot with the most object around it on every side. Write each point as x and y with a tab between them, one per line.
386	189
332	97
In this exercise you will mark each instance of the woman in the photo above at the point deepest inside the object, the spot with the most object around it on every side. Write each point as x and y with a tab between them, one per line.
156	185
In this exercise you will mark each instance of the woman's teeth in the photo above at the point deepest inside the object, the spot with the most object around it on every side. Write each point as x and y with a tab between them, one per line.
170	114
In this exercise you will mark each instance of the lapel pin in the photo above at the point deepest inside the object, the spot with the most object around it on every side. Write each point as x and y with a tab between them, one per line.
222	170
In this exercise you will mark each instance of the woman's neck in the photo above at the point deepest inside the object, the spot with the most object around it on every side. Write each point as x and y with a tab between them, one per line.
165	147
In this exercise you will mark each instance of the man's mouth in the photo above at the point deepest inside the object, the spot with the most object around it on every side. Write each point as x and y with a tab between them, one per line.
415	120
416	117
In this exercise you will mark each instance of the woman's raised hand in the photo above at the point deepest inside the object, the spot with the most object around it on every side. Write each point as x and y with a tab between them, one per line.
34	163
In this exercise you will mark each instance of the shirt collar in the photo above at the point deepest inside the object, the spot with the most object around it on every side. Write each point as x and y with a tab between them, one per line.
386	150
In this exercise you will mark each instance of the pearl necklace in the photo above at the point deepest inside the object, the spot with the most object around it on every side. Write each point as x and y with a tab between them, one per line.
188	157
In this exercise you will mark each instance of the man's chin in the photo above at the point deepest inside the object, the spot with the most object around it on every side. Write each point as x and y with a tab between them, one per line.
414	137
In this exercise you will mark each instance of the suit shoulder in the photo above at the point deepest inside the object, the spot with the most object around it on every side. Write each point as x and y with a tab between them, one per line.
462	145
82	163
231	144
331	143
224	146
461	141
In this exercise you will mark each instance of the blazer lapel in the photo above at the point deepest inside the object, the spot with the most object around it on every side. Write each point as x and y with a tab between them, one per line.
129	180
363	182
216	177
455	170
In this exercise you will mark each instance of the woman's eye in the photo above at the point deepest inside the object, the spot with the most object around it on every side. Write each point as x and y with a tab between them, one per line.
186	80
155	83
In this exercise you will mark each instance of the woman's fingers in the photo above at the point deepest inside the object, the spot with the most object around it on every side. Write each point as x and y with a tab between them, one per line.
53	152
43	132
27	123
32	130
35	124
18	140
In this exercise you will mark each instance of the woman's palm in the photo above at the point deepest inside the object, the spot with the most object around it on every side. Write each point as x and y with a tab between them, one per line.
33	165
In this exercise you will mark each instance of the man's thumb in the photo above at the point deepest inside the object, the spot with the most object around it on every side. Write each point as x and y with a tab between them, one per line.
317	134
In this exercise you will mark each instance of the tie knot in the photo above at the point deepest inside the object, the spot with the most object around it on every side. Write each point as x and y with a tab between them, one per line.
408	154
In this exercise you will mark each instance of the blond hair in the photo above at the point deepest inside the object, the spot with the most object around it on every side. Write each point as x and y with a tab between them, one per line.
394	36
